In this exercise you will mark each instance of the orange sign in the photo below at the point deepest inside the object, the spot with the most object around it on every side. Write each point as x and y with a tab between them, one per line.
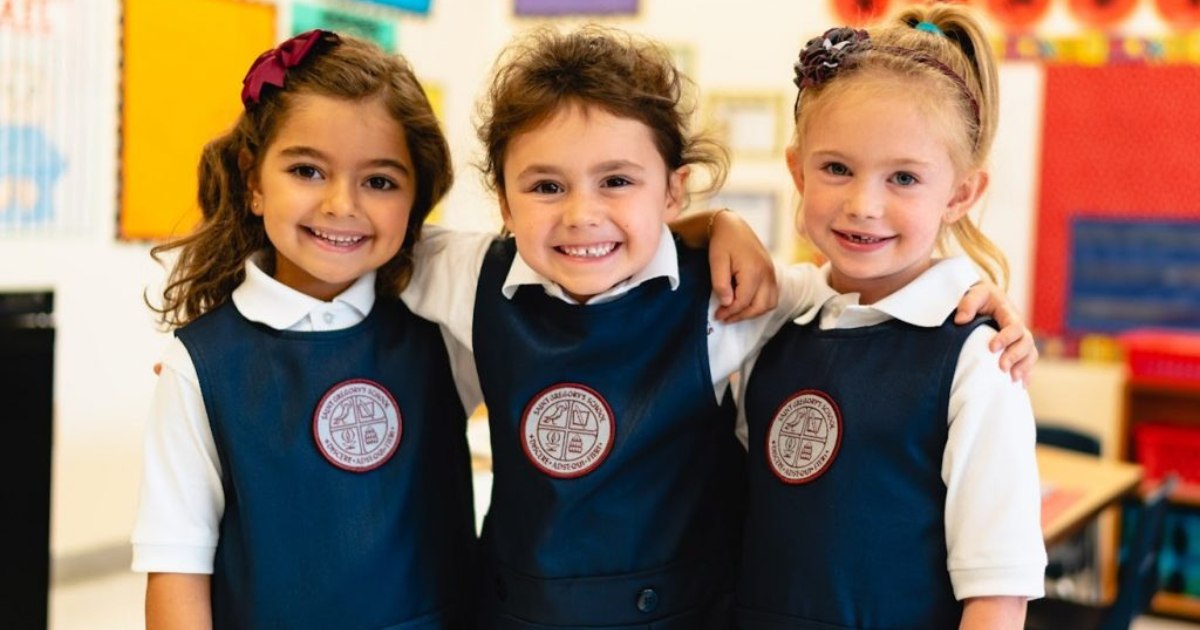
1018	14
1101	13
1180	13
859	12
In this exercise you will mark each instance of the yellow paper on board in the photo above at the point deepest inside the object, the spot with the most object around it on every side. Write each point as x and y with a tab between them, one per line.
181	84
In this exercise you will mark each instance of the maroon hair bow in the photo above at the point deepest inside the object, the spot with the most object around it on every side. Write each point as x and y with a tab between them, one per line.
271	66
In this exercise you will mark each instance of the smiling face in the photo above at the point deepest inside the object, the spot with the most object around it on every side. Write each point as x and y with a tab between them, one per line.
334	189
586	195
877	185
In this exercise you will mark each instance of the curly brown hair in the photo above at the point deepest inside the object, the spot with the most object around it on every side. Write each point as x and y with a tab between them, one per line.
210	263
626	76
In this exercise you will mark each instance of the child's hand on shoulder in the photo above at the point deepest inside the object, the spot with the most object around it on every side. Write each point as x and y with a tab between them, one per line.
1020	352
743	274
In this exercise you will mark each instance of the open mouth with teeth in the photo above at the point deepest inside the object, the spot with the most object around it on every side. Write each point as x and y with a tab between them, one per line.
862	239
596	250
336	240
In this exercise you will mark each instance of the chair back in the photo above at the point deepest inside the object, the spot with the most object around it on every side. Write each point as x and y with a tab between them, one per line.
1137	577
1053	434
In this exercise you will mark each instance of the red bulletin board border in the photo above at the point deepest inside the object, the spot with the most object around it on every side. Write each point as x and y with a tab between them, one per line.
1117	141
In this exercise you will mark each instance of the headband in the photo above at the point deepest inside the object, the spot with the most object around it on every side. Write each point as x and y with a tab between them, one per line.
838	48
271	67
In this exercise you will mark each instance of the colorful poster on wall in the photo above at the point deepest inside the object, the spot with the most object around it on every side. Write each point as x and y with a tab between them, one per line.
420	7
575	7
1101	160
43	133
183	66
306	17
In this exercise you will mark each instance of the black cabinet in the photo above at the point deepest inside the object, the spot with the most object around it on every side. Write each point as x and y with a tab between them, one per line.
26	410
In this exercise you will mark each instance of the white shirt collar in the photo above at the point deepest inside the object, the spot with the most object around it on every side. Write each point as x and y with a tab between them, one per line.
263	299
665	263
926	301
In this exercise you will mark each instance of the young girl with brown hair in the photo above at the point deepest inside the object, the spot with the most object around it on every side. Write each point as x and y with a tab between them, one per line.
306	464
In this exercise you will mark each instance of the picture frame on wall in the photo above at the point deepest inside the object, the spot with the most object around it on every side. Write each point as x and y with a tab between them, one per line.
750	124
759	208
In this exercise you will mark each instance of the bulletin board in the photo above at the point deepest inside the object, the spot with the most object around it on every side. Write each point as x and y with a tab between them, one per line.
1119	143
181	80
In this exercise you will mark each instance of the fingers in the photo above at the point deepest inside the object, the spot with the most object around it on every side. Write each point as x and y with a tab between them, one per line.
972	302
741	299
755	295
722	279
1020	355
1008	336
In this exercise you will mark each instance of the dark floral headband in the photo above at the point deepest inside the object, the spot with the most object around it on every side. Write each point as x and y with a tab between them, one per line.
271	67
838	48
822	57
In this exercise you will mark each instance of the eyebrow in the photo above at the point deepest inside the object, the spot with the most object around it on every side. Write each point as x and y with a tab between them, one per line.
303	151
603	167
897	163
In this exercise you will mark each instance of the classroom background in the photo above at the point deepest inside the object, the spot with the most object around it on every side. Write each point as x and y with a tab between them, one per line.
104	105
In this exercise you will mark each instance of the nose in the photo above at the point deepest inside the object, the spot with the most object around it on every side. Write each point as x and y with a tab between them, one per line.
340	198
863	202
581	210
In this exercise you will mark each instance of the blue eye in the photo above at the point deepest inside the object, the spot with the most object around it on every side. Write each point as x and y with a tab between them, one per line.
904	179
836	168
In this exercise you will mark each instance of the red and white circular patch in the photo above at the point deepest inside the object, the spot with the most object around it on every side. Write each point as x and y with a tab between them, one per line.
357	425
804	436
567	430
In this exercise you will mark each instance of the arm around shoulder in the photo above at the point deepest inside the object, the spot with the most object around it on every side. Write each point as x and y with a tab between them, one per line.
446	266
178	601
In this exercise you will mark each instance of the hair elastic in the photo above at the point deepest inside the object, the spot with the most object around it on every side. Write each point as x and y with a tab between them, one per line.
929	27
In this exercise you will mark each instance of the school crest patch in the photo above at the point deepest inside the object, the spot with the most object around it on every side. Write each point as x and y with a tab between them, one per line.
567	430
357	425
803	437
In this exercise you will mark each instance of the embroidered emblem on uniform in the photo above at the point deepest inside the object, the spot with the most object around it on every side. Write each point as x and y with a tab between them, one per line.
803	437
357	425
567	430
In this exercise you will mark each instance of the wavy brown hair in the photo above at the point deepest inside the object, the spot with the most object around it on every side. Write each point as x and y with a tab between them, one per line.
626	76
210	263
897	52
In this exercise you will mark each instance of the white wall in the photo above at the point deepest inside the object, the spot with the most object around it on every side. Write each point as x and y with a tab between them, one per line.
107	341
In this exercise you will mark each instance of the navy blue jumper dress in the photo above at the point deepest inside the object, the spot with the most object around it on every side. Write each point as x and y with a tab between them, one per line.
617	497
847	431
346	473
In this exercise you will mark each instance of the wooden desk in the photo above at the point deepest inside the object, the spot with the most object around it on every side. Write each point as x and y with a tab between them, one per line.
1077	487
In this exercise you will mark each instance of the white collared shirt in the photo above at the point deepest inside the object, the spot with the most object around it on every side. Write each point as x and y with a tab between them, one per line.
182	498
446	279
993	497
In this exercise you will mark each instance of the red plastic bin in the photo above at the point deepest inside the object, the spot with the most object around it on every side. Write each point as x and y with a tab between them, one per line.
1162	449
1163	354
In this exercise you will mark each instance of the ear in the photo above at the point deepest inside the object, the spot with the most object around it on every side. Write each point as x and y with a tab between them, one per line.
505	212
795	166
968	192
676	191
253	185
